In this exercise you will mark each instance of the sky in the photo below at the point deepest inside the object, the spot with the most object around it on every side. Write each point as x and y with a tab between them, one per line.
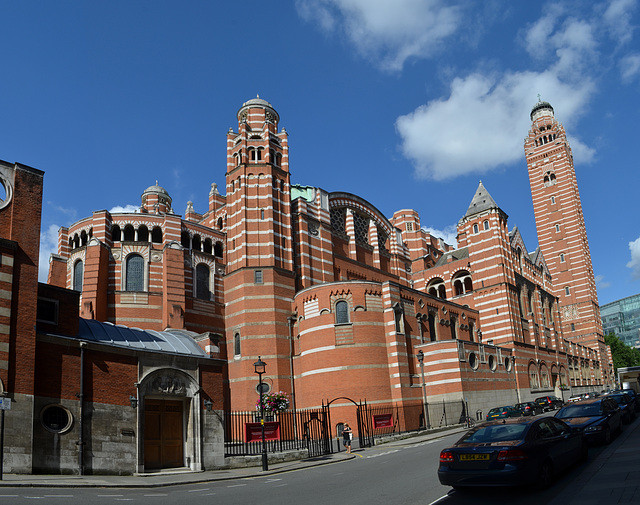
405	103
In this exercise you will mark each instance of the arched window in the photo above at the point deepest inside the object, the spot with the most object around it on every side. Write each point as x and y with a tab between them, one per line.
432	326
135	273
436	288
196	243
398	313
78	272
453	320
219	223
83	237
129	233
185	240
156	235
533	376
207	246
116	235
236	344
342	312
202	282
475	228
143	233
217	249
485	225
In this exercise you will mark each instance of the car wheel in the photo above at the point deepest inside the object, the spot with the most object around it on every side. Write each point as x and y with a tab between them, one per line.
545	475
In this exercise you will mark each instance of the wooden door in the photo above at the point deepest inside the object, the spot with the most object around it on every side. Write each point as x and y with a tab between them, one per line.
163	434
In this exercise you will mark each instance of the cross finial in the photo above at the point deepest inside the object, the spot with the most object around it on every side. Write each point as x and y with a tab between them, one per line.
538	97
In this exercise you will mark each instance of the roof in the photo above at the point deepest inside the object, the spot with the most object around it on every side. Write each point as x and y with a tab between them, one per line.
156	189
456	254
481	201
169	341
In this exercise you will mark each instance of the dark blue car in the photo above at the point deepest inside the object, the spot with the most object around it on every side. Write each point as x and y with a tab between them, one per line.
512	452
598	418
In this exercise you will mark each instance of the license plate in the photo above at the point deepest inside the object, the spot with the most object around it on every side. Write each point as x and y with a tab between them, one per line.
474	457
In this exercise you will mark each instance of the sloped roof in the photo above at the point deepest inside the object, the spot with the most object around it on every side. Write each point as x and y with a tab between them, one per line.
481	201
456	254
170	341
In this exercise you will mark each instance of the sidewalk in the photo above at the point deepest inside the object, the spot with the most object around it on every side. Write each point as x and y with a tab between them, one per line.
613	477
173	477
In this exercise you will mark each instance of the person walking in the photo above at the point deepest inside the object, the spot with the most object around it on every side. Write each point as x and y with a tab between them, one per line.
347	435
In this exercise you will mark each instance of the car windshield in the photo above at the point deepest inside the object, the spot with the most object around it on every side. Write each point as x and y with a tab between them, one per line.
580	411
620	399
495	433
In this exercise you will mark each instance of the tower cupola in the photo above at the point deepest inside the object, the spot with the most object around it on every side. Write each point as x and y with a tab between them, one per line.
541	109
156	200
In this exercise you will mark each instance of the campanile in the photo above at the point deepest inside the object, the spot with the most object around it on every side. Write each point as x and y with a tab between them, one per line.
562	235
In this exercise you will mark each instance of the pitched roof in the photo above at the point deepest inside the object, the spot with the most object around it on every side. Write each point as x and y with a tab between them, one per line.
481	201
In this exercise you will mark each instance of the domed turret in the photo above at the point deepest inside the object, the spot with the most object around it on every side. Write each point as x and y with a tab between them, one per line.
156	200
269	114
541	109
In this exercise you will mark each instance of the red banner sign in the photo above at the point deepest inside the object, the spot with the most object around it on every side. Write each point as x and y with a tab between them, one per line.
383	421
253	431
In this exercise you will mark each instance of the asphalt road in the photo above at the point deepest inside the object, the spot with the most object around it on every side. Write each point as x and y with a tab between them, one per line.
383	475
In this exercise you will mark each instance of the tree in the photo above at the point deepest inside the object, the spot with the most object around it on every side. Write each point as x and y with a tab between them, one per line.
623	355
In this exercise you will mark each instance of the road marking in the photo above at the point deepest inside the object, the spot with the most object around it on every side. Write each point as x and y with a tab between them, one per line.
439	500
156	494
58	496
237	485
199	490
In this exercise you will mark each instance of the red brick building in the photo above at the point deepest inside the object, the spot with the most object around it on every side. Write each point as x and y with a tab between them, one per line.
336	298
87	396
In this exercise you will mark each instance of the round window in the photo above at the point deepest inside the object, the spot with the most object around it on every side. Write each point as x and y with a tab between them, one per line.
507	364
492	363
56	418
264	386
473	360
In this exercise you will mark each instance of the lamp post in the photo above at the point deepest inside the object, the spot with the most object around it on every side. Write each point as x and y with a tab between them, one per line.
425	412
515	377
259	367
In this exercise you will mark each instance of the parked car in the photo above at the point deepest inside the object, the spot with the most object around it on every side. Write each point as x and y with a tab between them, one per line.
576	398
634	396
598	418
512	452
529	408
503	412
549	402
627	406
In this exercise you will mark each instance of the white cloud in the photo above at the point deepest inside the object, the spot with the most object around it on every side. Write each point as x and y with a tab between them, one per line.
601	283
634	264
127	208
630	67
479	126
48	246
449	234
388	33
616	18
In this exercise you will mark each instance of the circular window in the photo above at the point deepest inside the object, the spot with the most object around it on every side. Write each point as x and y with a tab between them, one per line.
264	386
56	418
507	364
473	360
5	192
492	363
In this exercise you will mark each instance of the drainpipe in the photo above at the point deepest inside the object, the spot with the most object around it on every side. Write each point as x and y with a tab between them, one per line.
291	320
80	442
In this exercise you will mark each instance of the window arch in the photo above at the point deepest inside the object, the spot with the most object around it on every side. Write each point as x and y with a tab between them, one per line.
83	237
462	283
196	243
533	376
436	288
485	224
342	312
207	246
236	344
134	273
432	326
203	275
143	233
116	234
217	249
156	235
398	313
129	233
78	274
475	228
185	240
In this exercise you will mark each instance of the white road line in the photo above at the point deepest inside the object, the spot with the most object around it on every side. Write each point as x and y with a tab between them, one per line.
237	485
199	490
439	500
155	494
109	495
58	496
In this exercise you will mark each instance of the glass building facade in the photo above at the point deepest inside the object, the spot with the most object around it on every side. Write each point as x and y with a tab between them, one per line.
622	317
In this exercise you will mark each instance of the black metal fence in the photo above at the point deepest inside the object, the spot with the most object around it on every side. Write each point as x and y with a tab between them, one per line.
311	429
301	429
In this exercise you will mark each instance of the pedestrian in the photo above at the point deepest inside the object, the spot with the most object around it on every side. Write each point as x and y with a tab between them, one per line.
347	435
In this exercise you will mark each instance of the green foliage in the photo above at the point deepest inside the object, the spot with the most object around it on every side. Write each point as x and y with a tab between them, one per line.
623	355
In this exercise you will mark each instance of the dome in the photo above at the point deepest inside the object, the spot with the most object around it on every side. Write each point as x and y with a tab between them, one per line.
156	189
538	108
262	104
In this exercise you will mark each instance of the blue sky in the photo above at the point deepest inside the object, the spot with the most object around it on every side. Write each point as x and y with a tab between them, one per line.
406	103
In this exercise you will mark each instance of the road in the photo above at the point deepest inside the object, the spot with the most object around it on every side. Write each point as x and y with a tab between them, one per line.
400	473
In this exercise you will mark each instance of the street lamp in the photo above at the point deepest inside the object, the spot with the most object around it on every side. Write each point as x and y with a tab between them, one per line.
515	375
259	367
425	412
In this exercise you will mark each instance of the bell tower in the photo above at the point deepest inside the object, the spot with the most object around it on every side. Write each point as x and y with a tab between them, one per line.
562	235
260	280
